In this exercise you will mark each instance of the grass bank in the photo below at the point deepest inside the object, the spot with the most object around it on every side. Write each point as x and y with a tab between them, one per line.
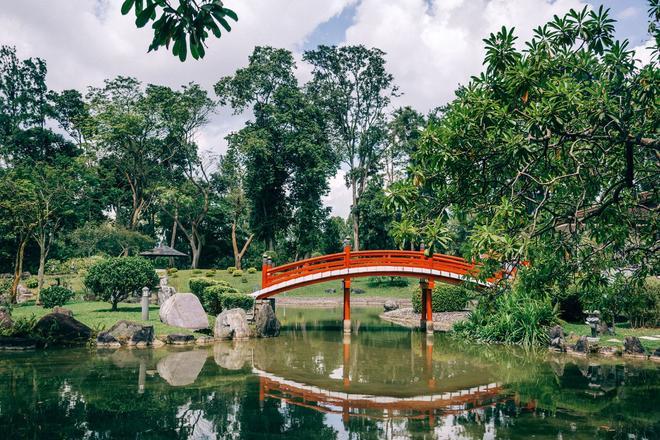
622	330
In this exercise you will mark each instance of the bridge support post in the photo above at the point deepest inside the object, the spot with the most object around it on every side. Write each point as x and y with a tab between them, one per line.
423	288
347	305
429	306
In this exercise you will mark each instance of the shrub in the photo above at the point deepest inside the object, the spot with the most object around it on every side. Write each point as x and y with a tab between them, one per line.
197	285
643	305
445	298
23	326
196	271
79	265
244	279
55	296
387	282
237	273
172	270
115	279
231	269
512	318
235	300
210	274
252	270
212	297
32	283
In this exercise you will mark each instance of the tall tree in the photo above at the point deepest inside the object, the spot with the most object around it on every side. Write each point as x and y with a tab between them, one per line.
552	153
353	87
404	131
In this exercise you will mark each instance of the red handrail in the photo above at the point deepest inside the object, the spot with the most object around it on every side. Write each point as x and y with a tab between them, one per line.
348	259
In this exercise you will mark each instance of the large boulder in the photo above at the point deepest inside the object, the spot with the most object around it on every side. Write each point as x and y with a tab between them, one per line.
181	369
232	324
266	323
62	329
632	345
5	318
128	333
184	310
390	305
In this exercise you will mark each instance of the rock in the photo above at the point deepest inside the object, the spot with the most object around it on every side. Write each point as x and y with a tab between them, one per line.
179	339
106	338
357	291
181	369
582	345
330	290
184	310
5	318
603	329
556	336
232	324
16	343
203	340
23	294
165	293
62	329
132	333
390	305
632	345
62	311
266	323
607	351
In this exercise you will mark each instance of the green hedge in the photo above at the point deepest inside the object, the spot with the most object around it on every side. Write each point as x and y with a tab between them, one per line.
252	270
197	285
231	269
237	273
55	296
445	297
223	297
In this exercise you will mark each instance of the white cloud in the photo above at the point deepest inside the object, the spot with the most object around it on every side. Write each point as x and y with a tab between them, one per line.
434	45
339	198
643	53
628	12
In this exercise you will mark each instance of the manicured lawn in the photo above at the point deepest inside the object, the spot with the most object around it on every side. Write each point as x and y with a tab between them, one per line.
179	281
622	330
99	316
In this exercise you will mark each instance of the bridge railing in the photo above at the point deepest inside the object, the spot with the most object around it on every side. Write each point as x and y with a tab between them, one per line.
347	259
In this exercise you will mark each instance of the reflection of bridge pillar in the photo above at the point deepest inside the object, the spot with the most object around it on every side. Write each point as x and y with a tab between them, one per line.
262	392
428	358
346	368
347	305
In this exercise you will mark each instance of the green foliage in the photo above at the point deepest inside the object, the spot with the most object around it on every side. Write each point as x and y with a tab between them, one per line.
244	279
32	283
187	25
23	326
445	298
197	285
231	269
55	296
115	279
237	273
217	298
252	270
172	270
210	273
235	300
387	282
196	271
514	317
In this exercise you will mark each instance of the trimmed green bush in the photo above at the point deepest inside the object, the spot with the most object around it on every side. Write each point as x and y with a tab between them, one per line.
32	283
244	279
231	269
197	285
252	270
210	274
237	273
237	300
445	298
55	296
387	282
212	297
172	270
115	279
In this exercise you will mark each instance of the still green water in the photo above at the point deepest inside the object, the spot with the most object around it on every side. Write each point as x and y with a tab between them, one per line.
313	383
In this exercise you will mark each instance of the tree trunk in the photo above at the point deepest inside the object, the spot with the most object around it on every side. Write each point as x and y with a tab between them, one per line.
18	270
238	255
356	217
173	237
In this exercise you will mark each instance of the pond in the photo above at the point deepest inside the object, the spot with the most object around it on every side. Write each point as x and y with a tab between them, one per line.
383	381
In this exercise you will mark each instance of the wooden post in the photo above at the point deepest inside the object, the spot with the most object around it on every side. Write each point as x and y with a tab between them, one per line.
347	305
422	287
429	305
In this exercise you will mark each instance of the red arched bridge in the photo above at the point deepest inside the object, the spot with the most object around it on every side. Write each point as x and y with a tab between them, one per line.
346	265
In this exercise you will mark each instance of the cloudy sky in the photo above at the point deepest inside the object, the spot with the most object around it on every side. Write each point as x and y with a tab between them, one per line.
431	45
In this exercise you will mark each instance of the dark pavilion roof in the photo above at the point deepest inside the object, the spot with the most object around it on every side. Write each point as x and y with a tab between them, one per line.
163	251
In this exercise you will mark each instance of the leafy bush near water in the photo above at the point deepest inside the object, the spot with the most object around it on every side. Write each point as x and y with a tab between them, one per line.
223	297
445	298
197	285
513	317
55	296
